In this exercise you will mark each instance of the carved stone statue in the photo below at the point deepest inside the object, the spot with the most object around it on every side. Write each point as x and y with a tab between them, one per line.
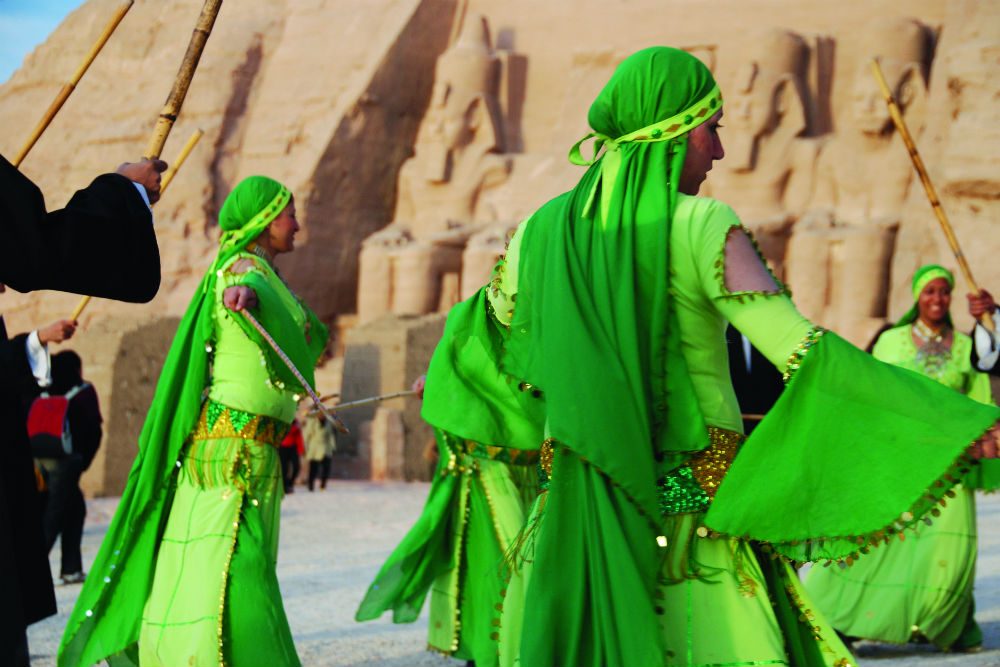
764	122
458	155
841	251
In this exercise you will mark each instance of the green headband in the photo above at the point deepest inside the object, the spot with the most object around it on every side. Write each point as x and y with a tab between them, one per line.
258	223
927	274
924	275
665	130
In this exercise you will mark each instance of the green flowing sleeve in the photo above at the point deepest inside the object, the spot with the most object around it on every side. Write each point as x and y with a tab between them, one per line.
468	393
407	575
854	452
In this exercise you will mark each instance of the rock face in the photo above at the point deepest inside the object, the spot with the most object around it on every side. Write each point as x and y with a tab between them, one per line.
416	133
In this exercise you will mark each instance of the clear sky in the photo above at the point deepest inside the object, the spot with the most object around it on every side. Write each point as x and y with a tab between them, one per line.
24	24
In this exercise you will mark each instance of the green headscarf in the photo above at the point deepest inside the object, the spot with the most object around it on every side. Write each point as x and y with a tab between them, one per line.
924	275
122	574
594	328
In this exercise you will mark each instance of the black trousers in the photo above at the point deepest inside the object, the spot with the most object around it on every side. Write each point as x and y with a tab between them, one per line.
65	510
319	470
290	466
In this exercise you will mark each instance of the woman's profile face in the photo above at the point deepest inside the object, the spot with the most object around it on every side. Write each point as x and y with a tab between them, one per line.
281	232
934	301
704	148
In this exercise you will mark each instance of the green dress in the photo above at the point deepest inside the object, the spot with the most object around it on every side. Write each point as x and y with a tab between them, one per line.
185	574
616	345
921	587
718	601
476	507
215	597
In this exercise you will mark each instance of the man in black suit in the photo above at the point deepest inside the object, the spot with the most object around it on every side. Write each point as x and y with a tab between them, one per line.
757	382
102	244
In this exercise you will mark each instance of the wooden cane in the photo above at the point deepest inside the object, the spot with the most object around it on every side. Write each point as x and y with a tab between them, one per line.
175	100
918	164
68	88
368	401
168	175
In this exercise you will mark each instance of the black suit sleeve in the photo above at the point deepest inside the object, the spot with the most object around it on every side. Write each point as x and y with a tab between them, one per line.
102	243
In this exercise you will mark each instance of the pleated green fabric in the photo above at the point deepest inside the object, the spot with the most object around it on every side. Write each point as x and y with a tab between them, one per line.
107	615
594	330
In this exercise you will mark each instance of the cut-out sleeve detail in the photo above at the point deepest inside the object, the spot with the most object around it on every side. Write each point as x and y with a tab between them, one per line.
741	270
238	270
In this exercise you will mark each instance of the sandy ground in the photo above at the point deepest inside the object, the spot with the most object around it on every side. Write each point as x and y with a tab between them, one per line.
333	542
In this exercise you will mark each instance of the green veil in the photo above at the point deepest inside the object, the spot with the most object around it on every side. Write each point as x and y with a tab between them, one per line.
594	279
108	613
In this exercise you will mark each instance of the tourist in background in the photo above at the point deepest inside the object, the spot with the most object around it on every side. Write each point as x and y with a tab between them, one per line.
290	450
79	414
320	443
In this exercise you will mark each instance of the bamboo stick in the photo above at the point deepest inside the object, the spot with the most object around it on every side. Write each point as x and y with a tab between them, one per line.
79	308
168	175
925	180
165	122
68	88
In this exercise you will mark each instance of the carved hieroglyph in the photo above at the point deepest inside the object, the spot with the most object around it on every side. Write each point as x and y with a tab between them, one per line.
841	251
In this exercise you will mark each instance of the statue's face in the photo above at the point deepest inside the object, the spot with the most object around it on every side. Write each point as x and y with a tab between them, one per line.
869	112
447	130
751	111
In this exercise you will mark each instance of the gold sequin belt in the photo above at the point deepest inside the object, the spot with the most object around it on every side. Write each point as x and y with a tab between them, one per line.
691	487
518	457
221	421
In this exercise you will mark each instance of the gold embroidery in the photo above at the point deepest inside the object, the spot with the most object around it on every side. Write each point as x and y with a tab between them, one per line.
545	455
709	466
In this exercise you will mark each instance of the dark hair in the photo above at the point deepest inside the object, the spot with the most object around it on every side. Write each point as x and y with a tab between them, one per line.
67	371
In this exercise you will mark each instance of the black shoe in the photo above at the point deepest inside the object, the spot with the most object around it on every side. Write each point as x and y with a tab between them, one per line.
73	578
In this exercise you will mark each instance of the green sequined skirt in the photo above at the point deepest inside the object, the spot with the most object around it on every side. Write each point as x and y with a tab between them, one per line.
215	598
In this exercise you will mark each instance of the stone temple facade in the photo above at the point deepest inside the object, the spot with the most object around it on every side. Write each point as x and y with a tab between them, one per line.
416	134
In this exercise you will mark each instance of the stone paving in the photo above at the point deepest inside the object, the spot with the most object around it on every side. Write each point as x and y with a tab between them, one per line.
333	542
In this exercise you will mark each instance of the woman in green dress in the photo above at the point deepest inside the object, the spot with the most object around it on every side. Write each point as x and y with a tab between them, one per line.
475	509
656	544
921	588
186	573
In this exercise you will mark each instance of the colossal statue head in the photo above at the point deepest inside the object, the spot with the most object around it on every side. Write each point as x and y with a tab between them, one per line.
767	94
464	111
904	47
